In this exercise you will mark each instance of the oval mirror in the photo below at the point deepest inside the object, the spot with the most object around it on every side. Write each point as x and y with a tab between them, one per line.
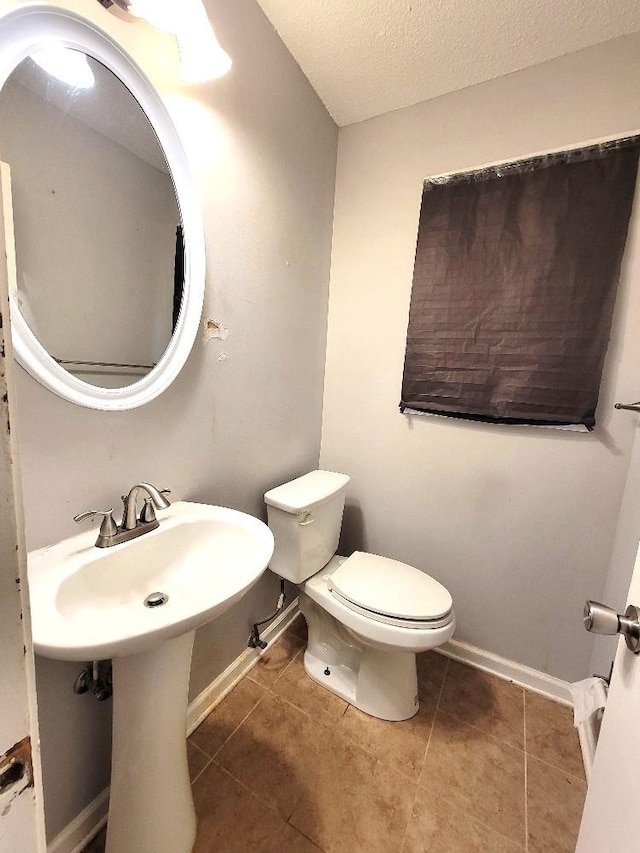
101	224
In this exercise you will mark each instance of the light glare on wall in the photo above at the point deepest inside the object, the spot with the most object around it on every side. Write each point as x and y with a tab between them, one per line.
69	66
201	57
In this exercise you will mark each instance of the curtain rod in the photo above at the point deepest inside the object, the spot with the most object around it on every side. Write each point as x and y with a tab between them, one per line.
590	151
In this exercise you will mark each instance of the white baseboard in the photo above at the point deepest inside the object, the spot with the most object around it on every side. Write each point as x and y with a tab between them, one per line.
212	695
531	679
82	829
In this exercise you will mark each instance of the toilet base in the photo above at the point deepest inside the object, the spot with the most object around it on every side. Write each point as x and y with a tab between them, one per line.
380	681
364	690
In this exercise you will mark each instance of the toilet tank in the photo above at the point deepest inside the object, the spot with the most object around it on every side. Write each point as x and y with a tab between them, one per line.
305	516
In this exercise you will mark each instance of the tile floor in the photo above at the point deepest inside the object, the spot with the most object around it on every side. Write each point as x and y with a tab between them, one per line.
283	766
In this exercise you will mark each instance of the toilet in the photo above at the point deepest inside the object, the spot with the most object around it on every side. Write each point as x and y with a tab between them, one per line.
367	615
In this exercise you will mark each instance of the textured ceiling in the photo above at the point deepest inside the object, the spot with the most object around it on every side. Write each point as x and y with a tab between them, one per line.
366	57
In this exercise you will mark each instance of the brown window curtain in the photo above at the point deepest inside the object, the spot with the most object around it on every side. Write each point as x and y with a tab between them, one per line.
514	284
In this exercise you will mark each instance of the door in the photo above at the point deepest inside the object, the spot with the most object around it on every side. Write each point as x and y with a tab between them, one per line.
610	822
21	812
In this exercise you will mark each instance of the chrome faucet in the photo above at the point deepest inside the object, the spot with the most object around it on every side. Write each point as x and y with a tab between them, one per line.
131	526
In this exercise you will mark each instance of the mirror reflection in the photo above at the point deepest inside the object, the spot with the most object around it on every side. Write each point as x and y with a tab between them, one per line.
92	217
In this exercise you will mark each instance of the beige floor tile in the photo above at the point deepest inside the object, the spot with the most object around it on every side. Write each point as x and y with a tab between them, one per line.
491	704
432	668
477	774
273	752
295	686
437	827
276	659
232	819
353	802
197	760
225	717
555	802
551	736
402	745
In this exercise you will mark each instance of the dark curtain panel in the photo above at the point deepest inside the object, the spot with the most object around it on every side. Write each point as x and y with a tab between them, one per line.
178	275
514	285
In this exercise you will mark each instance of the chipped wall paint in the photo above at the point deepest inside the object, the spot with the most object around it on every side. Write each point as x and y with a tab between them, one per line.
16	774
214	329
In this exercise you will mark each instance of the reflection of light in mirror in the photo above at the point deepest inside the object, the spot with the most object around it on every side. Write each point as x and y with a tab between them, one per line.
68	66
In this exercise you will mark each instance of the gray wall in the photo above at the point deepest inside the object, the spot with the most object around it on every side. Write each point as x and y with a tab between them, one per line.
245	414
518	522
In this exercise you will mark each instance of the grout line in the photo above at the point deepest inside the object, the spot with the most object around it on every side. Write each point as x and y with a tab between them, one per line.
473	819
243	720
303	834
372	754
424	757
406	829
308	714
476	728
557	768
199	748
297	707
272	808
299	652
454	805
483	731
198	775
206	764
433	722
224	743
444	678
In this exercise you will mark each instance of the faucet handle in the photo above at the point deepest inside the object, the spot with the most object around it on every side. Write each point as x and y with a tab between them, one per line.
148	513
108	526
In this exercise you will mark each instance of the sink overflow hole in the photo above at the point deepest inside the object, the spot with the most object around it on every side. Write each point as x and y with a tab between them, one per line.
156	599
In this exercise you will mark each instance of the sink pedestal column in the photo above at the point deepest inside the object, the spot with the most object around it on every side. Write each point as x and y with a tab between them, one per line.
151	807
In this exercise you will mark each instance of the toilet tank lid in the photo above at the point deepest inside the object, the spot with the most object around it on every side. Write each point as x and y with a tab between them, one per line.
307	491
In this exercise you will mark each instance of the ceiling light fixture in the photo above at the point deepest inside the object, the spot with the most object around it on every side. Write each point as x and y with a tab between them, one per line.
201	57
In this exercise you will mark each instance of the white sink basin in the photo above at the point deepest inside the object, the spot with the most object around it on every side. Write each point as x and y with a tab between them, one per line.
87	603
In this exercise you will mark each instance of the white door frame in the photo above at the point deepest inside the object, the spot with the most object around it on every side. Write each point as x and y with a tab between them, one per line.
21	799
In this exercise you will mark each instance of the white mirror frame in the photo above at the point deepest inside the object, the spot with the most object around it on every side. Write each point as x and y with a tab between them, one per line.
22	31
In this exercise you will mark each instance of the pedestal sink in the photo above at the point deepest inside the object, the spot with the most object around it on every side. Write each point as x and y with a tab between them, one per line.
91	603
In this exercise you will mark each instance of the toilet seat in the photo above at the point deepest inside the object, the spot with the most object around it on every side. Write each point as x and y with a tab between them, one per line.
389	591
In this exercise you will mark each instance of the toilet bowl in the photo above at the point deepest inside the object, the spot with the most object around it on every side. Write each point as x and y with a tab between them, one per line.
367	615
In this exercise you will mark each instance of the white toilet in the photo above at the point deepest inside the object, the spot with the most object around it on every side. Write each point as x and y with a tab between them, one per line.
367	615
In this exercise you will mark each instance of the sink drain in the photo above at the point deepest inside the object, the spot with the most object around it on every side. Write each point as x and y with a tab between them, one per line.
156	599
